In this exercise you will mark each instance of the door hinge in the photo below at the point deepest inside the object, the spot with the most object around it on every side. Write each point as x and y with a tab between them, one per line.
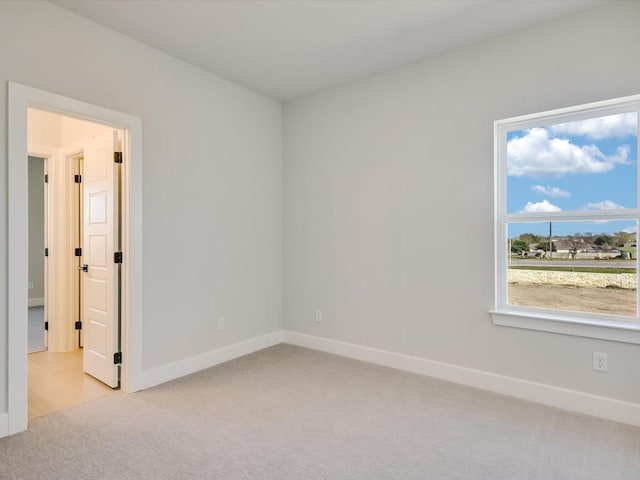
46	252
46	178
117	157
46	325
78	252
77	178
78	325
117	358
117	257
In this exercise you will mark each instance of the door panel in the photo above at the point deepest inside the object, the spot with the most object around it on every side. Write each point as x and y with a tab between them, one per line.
100	288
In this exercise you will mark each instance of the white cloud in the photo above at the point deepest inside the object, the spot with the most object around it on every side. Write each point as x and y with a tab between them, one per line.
604	205
543	206
630	230
621	125
553	192
538	154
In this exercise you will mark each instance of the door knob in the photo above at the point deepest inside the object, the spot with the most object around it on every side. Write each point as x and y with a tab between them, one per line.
84	268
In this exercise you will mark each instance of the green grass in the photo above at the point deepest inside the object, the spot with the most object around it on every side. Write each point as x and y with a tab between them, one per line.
576	269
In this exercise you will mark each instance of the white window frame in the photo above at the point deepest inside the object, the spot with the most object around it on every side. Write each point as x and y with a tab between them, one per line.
607	327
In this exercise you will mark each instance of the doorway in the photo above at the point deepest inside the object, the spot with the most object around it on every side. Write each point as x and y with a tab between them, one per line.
37	229
81	224
21	98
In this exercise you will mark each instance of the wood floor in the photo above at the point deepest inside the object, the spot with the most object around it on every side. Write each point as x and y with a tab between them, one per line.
56	381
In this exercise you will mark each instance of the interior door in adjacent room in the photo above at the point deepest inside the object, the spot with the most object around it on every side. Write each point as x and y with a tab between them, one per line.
101	242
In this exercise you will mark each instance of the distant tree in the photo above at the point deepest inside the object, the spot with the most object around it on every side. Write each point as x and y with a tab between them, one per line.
588	237
519	246
603	240
530	238
620	238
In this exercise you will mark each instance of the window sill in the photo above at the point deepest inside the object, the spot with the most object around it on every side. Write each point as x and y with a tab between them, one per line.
617	331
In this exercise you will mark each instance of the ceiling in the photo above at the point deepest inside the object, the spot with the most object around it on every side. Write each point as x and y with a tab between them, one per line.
290	48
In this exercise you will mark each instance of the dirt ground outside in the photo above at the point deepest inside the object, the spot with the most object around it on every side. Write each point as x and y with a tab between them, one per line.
578	299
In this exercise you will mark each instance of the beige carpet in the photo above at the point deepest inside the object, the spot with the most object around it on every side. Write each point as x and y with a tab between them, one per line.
292	413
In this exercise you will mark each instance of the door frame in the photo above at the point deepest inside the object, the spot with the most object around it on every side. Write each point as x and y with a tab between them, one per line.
20	98
47	154
58	159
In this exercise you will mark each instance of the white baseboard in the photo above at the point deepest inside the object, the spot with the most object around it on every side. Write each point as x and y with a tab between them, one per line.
171	371
572	400
36	302
4	424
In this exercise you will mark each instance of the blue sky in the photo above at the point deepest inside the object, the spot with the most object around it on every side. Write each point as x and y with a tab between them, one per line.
585	165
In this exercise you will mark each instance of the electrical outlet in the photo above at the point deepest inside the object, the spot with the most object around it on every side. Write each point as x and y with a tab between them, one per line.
220	323
318	315
599	362
30	285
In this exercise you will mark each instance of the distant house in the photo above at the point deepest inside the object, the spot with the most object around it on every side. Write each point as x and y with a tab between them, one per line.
566	244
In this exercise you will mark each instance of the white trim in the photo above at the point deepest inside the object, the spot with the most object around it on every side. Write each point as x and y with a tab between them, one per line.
4	425
17	233
574	113
132	275
205	360
36	302
603	407
20	98
624	332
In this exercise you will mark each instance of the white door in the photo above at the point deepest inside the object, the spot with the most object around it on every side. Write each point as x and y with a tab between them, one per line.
100	281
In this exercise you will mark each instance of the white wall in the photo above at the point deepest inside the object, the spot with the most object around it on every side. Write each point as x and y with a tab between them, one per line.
212	177
383	173
44	128
376	173
53	130
73	130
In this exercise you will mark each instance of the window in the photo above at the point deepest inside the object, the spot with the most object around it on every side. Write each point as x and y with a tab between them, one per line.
567	217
